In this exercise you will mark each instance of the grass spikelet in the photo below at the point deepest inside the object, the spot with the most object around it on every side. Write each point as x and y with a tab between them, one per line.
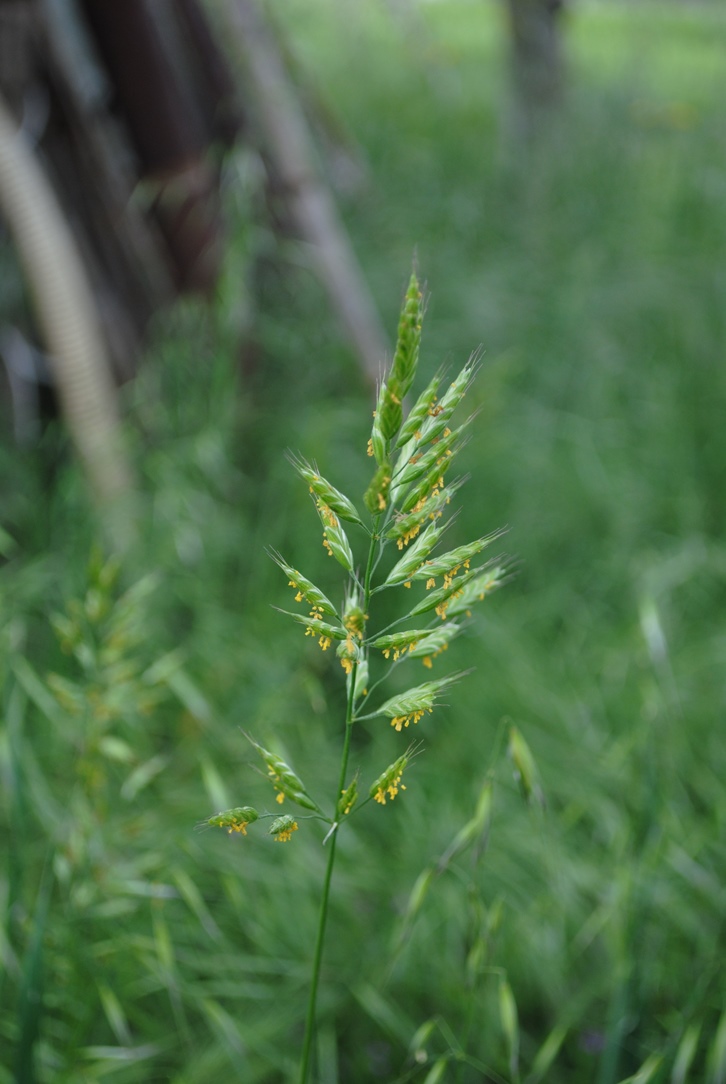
305	588
434	643
389	412
376	496
405	358
420	466
389	782
285	781
525	769
410	707
398	643
448	564
328	494
235	820
439	599
335	540
282	828
348	798
422	409
479	587
406	526
317	628
404	569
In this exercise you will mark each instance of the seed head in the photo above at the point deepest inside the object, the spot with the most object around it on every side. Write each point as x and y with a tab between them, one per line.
282	828
326	492
389	782
286	783
234	820
410	706
348	798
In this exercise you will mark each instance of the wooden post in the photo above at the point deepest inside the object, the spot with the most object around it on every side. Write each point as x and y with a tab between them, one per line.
537	63
69	321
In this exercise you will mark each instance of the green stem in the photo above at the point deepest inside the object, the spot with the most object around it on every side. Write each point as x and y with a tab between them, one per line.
317	960
323	914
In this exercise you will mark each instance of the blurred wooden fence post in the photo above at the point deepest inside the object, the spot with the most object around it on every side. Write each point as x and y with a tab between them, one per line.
537	62
284	132
67	314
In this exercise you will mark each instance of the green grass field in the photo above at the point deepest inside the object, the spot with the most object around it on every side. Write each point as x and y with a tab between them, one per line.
135	948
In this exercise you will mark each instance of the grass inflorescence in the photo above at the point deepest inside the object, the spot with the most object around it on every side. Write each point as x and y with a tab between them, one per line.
413	449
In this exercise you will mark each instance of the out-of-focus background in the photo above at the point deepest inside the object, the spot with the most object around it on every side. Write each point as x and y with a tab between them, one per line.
208	222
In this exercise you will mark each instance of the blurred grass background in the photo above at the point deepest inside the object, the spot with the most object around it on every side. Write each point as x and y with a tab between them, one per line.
134	948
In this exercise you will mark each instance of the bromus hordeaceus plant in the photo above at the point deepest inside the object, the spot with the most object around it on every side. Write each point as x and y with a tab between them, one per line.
405	505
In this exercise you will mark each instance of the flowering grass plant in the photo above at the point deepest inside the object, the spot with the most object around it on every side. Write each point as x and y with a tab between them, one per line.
403	514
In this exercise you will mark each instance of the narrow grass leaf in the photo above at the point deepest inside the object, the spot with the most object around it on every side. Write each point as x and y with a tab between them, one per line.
116	749
647	1071
327	1055
437	1070
225	1026
163	944
547	1053
716	1064
386	1013
510	1024
142	776
418	895
195	902
114	1014
190	696
685	1054
115	1055
525	769
213	784
30	996
417	1046
475	829
37	691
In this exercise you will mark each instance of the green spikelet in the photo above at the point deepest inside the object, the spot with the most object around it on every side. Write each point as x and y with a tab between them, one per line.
421	410
234	820
376	496
405	358
284	779
327	493
348	798
305	588
388	415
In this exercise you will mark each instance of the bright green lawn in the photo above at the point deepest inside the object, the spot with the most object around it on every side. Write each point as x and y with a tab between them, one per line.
595	278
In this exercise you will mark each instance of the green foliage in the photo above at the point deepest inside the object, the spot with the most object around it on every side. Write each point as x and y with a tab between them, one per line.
595	279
